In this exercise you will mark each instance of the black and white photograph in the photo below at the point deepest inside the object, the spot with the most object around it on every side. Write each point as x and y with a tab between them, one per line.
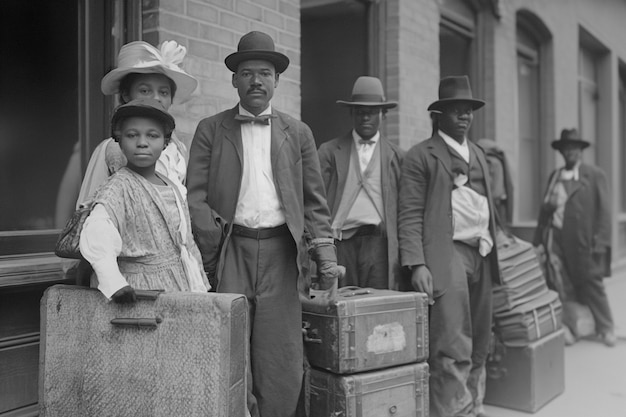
313	208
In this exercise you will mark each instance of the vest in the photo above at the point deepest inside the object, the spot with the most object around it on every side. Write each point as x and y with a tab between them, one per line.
362	200
472	170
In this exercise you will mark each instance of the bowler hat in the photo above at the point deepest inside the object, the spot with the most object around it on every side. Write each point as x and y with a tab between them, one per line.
143	107
256	45
368	91
455	89
143	58
569	137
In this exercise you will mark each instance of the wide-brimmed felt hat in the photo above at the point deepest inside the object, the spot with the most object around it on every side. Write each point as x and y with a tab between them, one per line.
368	91
143	58
257	45
455	89
143	107
569	137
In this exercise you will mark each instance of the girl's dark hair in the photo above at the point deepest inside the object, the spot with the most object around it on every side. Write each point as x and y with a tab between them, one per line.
129	79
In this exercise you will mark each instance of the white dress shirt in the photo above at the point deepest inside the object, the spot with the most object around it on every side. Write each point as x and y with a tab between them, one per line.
461	148
258	205
365	148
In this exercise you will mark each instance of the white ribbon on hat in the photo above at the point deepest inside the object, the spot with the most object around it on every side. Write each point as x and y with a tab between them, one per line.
173	53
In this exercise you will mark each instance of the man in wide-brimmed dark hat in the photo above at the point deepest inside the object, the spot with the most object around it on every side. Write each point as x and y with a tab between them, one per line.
361	170
574	232
446	233
254	186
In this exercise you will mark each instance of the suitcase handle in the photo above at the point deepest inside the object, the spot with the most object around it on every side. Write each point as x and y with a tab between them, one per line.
310	335
150	295
150	323
351	291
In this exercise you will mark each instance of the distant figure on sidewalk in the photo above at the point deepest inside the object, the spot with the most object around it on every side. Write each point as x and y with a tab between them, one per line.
361	172
574	232
446	233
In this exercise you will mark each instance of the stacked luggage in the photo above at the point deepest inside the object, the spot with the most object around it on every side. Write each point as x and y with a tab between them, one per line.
169	354
527	365
368	352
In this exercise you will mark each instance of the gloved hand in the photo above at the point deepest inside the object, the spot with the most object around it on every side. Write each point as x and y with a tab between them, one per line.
422	281
125	295
324	254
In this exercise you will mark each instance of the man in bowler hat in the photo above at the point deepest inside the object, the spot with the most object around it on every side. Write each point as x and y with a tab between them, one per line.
446	233
361	170
574	232
254	187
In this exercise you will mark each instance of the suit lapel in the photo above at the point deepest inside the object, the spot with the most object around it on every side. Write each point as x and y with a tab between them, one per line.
233	132
279	136
439	150
583	181
482	162
386	159
342	162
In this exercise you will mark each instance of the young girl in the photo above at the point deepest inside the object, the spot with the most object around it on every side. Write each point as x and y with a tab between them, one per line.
143	71
138	235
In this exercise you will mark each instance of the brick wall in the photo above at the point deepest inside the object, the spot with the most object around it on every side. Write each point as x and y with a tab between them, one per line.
211	29
412	66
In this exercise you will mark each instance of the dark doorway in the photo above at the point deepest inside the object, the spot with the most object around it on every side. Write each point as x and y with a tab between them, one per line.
334	54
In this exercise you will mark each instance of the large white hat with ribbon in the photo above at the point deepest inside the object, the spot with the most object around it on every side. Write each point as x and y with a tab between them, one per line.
143	58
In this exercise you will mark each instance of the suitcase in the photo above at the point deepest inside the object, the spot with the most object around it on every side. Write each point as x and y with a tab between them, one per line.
401	391
526	378
173	354
522	277
530	321
366	329
579	319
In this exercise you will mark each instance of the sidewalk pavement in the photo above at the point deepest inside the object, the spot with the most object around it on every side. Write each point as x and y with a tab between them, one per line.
595	375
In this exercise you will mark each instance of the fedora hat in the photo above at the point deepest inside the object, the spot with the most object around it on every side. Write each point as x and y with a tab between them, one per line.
143	107
257	45
569	137
454	89
143	58
368	91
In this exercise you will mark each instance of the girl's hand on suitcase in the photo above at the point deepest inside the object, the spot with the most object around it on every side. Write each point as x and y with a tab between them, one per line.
125	295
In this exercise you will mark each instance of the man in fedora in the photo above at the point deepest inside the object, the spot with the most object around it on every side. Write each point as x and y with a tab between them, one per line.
446	233
361	170
574	232
254	187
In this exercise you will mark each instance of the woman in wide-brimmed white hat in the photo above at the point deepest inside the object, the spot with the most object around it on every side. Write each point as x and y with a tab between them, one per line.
143	71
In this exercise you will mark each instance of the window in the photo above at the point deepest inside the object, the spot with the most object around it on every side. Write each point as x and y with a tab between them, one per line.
588	95
53	111
456	34
533	98
621	185
529	114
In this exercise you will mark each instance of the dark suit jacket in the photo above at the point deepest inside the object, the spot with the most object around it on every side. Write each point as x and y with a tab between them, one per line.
214	179
586	228
335	162
425	227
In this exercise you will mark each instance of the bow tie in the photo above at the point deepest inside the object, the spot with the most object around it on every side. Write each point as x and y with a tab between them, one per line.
263	119
366	142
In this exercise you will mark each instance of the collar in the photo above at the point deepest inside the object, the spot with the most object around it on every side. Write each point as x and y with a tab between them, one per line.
571	174
461	148
356	137
245	112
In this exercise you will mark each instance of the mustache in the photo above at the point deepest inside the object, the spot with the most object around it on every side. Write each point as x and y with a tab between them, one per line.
255	90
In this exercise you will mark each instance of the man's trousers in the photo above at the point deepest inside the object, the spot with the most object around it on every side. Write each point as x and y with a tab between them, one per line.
460	328
365	257
265	271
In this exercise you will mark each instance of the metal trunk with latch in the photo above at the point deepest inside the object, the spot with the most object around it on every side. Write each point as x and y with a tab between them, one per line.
366	329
